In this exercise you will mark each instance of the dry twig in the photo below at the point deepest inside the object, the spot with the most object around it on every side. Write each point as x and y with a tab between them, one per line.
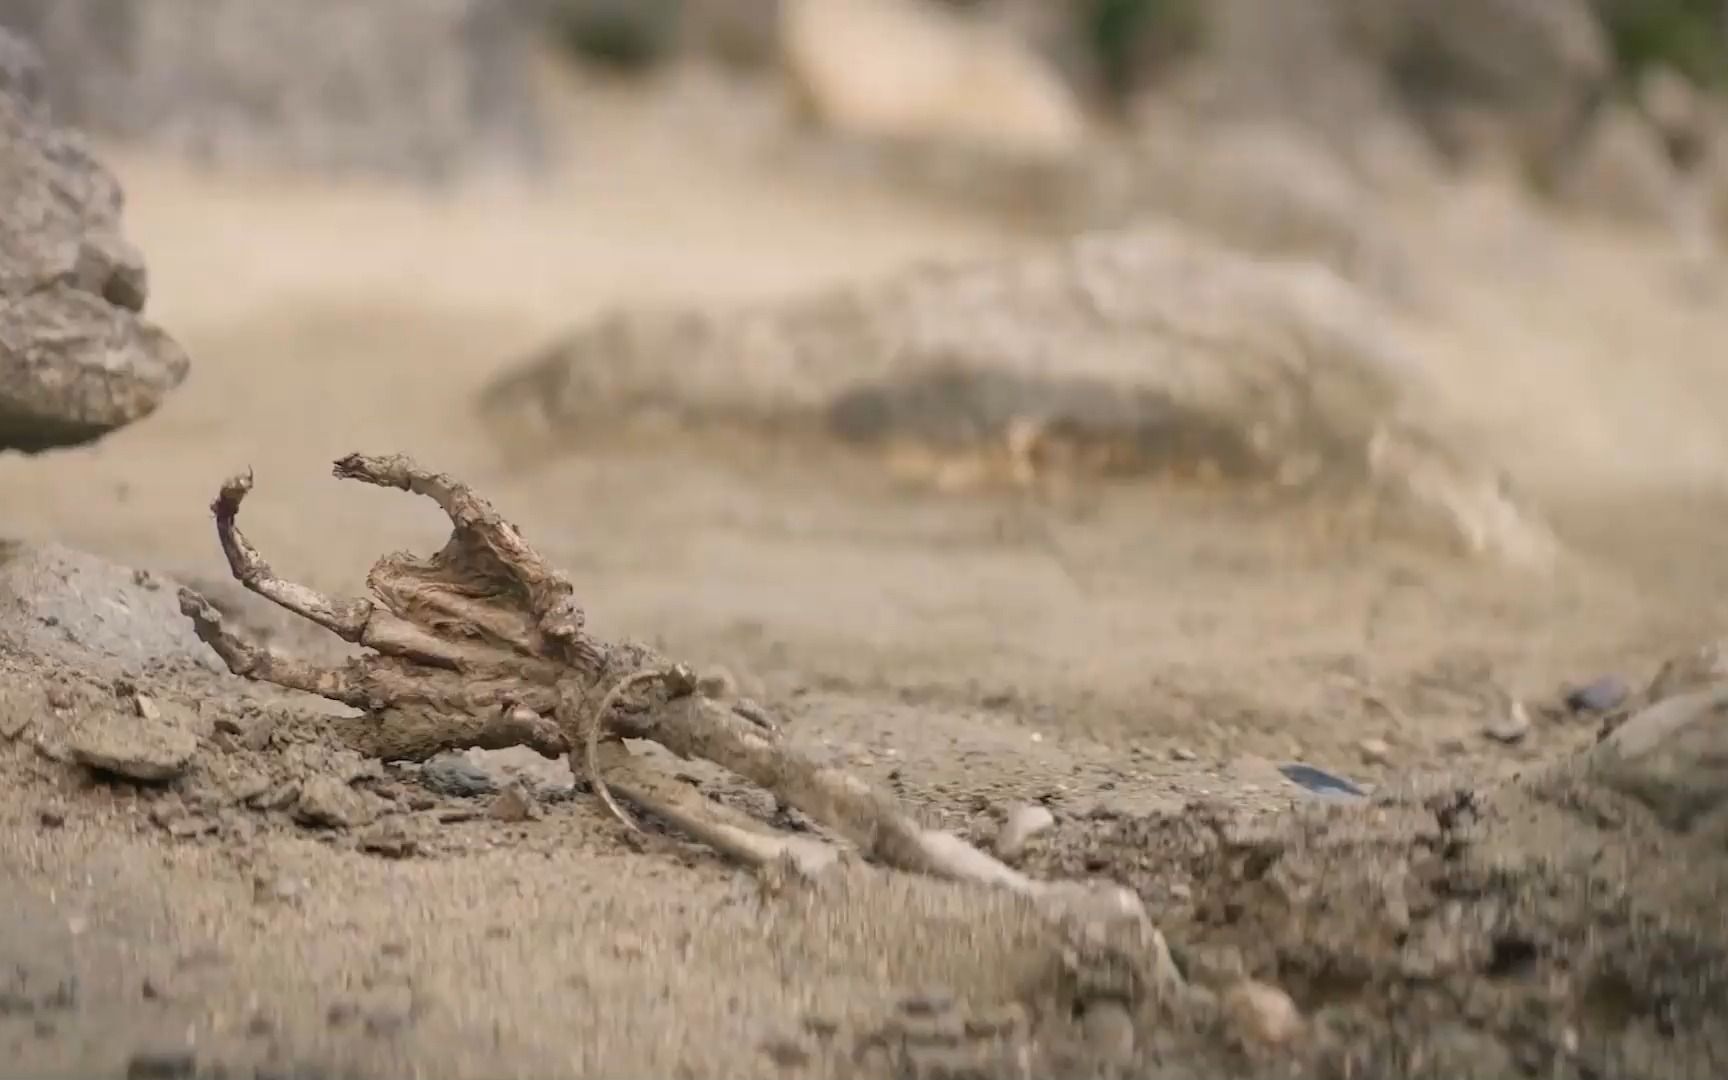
483	645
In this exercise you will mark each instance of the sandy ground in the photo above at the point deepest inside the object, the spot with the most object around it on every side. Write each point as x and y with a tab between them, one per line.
1119	655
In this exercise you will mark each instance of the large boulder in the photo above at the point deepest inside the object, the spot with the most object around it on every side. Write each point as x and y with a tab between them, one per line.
418	89
77	359
1144	351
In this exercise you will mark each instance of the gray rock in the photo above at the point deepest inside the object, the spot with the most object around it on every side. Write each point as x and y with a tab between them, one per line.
328	803
1705	666
1145	351
410	89
1599	695
1672	757
1510	724
1108	1028
453	774
516	803
122	743
64	605
76	358
20	707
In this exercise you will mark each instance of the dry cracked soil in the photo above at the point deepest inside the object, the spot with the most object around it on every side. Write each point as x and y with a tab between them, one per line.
198	881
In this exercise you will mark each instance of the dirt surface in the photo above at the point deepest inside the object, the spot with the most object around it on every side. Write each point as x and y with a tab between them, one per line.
1139	660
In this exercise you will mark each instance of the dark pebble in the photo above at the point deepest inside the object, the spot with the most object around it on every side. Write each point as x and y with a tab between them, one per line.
456	776
1320	782
1601	695
161	1065
926	1003
786	1053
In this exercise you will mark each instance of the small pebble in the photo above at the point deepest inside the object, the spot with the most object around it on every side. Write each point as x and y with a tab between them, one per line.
927	1003
1511	726
717	684
1109	1032
1319	781
1024	822
1600	695
456	775
1182	753
51	817
1261	1014
515	804
1375	751
786	1053
160	1065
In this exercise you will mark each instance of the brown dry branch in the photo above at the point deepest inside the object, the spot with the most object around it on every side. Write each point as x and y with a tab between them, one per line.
482	645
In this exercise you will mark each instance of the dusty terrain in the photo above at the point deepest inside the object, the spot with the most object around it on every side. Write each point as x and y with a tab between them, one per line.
1139	660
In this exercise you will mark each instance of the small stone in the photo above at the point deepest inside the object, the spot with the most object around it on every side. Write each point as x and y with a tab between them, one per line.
454	774
248	786
51	817
1375	751
514	804
391	840
18	709
146	707
1025	822
1260	1014
996	1024
340	1013
786	1053
1599	696
384	1023
927	1003
717	684
1672	757
161	1065
1319	781
190	825
279	797
823	1027
278	888
330	804
144	749
1182	753
257	736
1511	726
1109	1031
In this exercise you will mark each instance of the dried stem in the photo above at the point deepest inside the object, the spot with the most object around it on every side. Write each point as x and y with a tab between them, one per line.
482	644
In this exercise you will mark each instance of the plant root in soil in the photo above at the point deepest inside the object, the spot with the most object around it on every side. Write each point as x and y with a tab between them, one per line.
483	645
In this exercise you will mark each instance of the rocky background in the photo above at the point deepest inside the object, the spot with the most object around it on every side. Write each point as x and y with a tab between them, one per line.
1266	453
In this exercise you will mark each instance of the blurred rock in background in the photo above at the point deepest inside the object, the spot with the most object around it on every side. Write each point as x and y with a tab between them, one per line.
420	89
77	358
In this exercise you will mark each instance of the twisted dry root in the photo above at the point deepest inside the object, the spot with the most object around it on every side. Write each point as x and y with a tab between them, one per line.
483	645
